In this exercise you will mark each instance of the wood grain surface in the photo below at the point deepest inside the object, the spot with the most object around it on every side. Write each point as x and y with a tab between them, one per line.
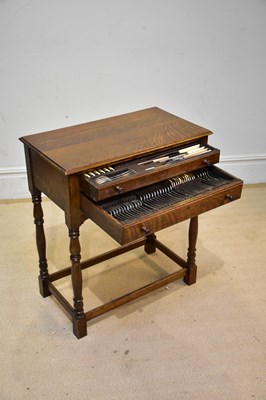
77	148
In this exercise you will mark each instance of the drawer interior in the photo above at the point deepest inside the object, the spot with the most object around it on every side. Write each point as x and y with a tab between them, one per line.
146	210
113	180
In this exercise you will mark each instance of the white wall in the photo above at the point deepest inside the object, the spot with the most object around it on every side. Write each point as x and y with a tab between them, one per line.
64	62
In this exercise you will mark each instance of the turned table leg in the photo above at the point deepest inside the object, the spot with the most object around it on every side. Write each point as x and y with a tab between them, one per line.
191	273
41	244
150	246
79	319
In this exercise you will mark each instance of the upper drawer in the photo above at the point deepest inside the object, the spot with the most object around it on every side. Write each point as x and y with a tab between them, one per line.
109	181
158	206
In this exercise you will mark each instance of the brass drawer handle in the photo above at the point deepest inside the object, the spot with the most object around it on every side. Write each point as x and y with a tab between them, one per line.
119	189
146	230
229	197
206	162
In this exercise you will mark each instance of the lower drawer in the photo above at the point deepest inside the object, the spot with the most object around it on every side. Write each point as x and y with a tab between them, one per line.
159	206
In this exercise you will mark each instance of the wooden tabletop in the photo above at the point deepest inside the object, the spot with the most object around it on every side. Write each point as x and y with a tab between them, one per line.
77	148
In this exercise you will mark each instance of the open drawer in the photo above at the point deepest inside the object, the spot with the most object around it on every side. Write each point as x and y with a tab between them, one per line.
158	206
113	180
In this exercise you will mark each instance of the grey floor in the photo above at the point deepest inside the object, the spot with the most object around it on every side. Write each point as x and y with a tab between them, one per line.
206	341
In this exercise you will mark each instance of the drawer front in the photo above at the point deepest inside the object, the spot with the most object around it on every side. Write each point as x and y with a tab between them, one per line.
125	232
143	175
